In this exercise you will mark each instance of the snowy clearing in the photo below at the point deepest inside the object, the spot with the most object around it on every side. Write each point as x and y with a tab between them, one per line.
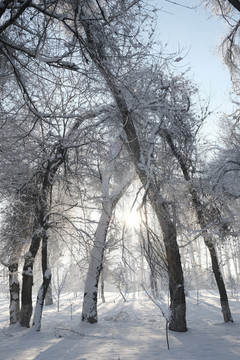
132	330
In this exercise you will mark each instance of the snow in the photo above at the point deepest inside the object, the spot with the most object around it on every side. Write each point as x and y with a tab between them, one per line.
47	274
132	330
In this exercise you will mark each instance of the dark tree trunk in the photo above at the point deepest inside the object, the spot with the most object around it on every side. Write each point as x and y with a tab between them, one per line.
42	201
235	3
14	290
227	316
201	216
177	321
176	281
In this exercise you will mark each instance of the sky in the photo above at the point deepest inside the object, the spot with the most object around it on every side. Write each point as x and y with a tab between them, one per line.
199	34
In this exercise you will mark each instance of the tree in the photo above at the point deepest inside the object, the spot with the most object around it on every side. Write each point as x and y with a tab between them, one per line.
17	220
112	187
181	143
99	53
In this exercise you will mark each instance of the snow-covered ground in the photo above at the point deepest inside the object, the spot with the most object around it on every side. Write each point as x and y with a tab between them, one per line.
134	330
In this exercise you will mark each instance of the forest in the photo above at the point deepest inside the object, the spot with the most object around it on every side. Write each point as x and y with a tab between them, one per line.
107	182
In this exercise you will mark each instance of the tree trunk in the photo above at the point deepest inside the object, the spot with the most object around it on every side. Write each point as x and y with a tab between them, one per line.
176	283
44	286
49	296
177	321
89	308
27	280
102	286
214	258
220	283
14	290
153	284
199	208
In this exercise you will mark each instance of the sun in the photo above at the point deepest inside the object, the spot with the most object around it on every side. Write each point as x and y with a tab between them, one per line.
132	218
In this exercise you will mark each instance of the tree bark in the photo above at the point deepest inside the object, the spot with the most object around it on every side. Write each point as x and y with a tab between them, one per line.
49	296
235	3
102	286
44	286
199	209
227	316
89	308
177	321
220	283
14	290
27	279
43	187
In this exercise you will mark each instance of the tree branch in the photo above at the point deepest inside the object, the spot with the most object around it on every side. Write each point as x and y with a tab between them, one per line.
235	3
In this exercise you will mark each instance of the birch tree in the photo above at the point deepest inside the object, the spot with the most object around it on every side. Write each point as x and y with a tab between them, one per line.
110	194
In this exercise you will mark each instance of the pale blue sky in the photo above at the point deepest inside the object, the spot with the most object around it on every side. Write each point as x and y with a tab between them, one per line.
199	34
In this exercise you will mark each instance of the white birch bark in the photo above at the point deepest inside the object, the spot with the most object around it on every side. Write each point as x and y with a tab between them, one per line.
14	294
89	310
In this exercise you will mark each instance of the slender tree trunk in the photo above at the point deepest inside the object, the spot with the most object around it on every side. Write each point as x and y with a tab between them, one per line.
14	290
220	283
153	284
102	286
49	296
199	208
89	308
44	286
214	259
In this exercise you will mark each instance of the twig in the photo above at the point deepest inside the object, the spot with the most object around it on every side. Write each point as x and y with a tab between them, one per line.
163	314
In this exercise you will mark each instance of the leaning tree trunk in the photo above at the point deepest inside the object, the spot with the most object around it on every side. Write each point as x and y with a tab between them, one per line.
89	308
199	208
227	316
220	283
94	43
14	290
177	321
44	286
176	281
